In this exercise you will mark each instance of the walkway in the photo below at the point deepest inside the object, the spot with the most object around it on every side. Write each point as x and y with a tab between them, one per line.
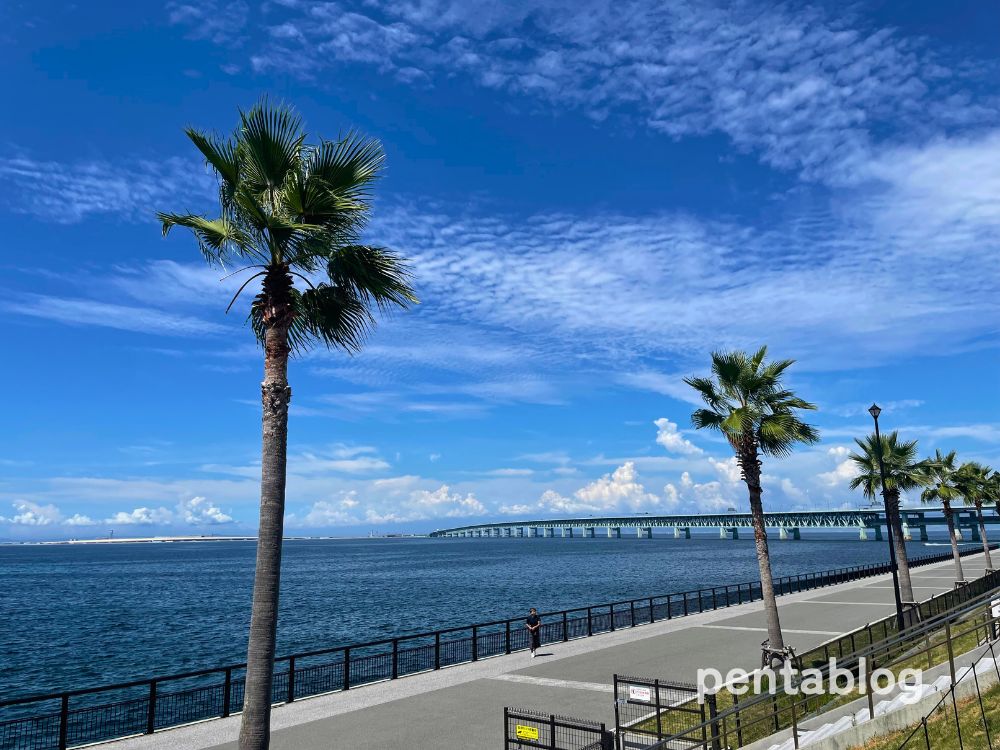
462	706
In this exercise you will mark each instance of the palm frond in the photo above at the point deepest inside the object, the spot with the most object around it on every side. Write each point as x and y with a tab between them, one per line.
270	146
218	239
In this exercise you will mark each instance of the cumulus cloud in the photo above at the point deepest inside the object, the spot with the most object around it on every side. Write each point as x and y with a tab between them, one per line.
400	502
670	438
141	517
199	511
32	514
618	491
838	477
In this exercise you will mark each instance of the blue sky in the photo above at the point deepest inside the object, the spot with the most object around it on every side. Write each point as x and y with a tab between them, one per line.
593	200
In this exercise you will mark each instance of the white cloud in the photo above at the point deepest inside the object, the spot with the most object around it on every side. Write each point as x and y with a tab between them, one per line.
510	472
199	511
800	88
79	520
68	193
85	312
618	491
141	517
670	438
517	510
32	514
843	473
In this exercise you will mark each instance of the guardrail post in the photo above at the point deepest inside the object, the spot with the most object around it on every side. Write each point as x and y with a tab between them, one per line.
475	643
565	626
227	687
395	658
631	606
590	622
347	669
437	651
63	721
611	616
506	637
291	680
713	714
151	711
651	618
552	732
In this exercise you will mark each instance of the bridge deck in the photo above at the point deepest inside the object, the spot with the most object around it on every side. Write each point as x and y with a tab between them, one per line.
843	519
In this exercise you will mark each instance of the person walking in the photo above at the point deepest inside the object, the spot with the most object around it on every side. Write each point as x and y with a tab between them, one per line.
534	625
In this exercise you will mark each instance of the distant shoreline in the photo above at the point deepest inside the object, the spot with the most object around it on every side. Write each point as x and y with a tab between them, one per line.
176	539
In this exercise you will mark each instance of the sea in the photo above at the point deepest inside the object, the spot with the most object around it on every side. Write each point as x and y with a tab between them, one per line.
77	616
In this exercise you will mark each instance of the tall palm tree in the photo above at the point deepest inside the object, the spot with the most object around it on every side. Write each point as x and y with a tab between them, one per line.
902	474
749	405
291	213
978	484
943	489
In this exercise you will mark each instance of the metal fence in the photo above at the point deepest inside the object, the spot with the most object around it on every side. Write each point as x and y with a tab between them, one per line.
647	710
970	721
952	623
78	717
524	728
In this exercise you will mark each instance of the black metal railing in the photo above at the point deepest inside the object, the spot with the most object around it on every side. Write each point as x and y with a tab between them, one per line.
951	624
60	720
524	728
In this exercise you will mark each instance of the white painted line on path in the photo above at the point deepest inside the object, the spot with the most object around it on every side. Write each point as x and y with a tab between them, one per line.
549	682
764	630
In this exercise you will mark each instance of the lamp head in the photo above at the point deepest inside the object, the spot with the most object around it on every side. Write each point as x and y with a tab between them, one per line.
874	410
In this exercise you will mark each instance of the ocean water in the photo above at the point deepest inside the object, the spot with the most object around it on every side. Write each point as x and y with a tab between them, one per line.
79	616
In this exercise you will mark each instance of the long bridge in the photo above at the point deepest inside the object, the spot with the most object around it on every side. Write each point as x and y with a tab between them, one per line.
788	524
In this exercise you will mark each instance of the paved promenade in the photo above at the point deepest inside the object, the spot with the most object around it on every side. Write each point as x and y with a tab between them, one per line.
462	706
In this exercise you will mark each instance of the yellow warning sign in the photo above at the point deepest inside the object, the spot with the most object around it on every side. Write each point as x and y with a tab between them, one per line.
526	733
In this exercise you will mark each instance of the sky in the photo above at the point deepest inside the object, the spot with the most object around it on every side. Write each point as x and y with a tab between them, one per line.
592	197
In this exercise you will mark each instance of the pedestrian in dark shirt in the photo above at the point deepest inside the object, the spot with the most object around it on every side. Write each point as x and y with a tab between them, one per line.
534	625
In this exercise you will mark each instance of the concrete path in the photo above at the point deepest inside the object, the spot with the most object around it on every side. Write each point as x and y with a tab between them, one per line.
462	706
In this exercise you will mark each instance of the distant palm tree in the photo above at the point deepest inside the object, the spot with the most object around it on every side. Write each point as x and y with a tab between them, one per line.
943	489
902	474
978	484
748	404
291	211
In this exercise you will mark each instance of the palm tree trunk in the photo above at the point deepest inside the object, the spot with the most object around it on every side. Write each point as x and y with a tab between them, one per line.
899	544
763	559
982	535
275	397
959	575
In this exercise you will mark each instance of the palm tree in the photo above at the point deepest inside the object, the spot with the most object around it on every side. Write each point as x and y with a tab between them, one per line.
943	489
977	484
902	474
749	405
291	212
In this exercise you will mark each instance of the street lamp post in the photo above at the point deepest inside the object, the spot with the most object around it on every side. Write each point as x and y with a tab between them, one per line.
875	411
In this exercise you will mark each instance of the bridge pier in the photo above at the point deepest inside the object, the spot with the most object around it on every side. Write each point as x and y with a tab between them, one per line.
679	529
907	534
725	531
865	529
520	532
549	532
567	532
783	532
644	532
614	532
589	532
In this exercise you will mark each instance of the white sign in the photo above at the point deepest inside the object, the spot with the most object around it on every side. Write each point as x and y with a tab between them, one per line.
639	693
996	608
